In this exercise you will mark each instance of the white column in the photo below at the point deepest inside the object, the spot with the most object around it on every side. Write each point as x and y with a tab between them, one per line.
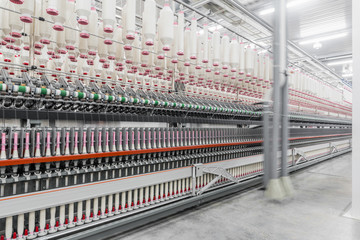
20	226
96	209
52	220
110	205
8	227
123	201
179	187
141	197
175	188
166	191
147	202
103	207
183	188
71	215
152	194
62	217
162	192
31	224
42	222
136	198
117	203
157	193
355	211
129	200
79	213
88	211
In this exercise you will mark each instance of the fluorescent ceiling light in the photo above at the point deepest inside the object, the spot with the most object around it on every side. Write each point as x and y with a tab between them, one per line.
347	75
322	28
321	39
296	3
267	11
339	63
289	5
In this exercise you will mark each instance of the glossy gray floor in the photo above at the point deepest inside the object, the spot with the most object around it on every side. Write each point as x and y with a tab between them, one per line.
323	194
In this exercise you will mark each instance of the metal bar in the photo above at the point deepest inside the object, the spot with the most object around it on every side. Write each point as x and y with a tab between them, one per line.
313	147
310	143
12	162
118	153
103	116
45	114
202	190
318	160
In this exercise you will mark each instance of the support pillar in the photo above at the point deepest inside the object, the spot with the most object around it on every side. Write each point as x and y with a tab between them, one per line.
274	187
355	206
285	179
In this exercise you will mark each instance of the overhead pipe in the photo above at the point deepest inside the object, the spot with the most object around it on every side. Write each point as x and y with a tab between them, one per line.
338	57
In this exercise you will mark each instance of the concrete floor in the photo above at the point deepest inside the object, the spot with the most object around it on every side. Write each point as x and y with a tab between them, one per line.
323	194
